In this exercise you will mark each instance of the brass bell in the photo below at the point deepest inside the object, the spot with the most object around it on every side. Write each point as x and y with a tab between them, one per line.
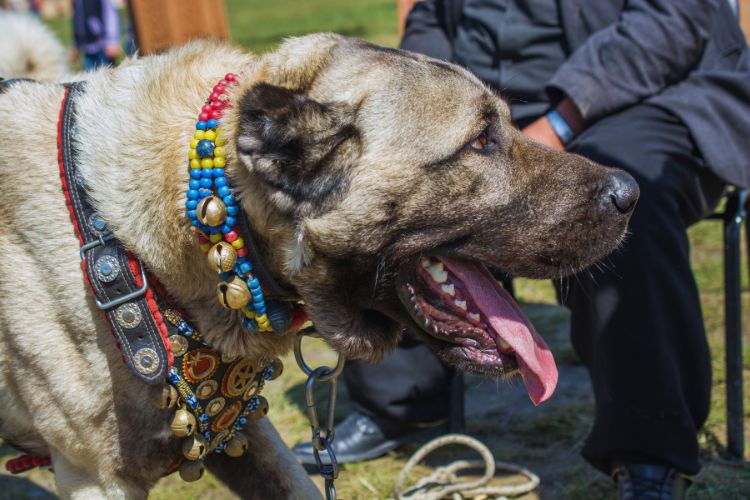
182	423
277	368
168	397
237	446
191	471
233	295
261	410
211	211
194	447
222	257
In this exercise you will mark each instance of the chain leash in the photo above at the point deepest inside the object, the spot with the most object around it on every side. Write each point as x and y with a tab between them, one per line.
321	441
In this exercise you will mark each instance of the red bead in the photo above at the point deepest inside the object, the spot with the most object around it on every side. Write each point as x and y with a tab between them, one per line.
231	236
204	117
206	108
230	77
218	105
242	252
216	114
202	239
213	97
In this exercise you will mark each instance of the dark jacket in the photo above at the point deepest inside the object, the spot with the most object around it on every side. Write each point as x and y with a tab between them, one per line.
688	56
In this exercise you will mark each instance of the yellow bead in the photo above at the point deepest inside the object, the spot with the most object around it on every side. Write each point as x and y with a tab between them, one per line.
263	318
248	313
220	151
238	243
210	135
207	163
194	144
205	247
215	237
219	162
199	134
195	163
192	154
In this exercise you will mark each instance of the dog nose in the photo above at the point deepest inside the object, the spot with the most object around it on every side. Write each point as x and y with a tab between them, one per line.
623	192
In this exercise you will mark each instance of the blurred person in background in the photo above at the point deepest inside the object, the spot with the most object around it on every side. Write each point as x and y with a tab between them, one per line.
661	89
96	33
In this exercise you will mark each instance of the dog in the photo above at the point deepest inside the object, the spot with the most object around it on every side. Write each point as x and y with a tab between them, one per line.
29	50
378	185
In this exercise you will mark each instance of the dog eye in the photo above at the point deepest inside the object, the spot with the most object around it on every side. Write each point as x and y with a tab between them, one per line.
483	142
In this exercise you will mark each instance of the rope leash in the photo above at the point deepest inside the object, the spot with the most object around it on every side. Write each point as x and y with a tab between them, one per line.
444	481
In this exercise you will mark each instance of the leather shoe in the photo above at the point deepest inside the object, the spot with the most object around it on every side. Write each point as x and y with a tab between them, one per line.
359	438
649	482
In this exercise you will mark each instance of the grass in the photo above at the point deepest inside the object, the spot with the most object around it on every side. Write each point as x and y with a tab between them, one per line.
546	439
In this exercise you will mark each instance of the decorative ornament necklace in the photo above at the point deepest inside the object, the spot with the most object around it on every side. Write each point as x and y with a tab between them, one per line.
214	213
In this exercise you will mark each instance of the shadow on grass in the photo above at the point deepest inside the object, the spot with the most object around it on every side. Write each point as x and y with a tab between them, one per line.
16	487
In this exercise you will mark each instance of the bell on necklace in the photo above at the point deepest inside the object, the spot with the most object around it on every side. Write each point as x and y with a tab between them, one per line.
211	211
233	295
261	410
191	471
194	447
237	446
276	368
222	257
182	423
168	397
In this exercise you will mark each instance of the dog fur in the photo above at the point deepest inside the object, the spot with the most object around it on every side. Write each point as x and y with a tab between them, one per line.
29	50
350	161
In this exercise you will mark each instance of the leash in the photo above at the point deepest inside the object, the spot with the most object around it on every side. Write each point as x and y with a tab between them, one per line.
329	469
444	481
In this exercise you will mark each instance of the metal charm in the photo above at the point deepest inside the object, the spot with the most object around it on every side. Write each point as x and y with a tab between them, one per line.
222	257
194	447
182	423
274	369
191	471
199	364
97	224
233	295
107	269
128	315
227	418
251	391
261	410
215	406
146	360
206	389
168	397
179	345
238	378
211	211
237	446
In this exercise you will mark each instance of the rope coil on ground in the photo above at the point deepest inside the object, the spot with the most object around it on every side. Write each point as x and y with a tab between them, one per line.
444	483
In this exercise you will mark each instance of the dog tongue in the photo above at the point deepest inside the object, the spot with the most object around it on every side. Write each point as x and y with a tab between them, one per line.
535	361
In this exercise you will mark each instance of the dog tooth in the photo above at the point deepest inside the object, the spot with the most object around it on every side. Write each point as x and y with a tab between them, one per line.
437	272
460	303
504	346
475	316
449	289
425	262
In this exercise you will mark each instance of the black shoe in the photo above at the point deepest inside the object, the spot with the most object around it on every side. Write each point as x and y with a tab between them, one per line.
359	438
649	482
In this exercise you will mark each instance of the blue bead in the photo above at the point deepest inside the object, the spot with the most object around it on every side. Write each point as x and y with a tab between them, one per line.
201	125
218	172
246	267
212	123
205	148
260	310
230	221
191	204
253	283
191	214
232	210
192	194
224	191
196	223
226	228
206	183
202	193
195	173
229	200
220	181
194	184
206	173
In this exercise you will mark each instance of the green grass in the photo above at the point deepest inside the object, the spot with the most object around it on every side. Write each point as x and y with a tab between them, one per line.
546	439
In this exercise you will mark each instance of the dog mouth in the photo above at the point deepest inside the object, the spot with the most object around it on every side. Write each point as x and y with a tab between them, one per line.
461	305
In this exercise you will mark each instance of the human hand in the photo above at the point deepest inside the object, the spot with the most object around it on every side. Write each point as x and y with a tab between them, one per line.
73	55
112	50
541	131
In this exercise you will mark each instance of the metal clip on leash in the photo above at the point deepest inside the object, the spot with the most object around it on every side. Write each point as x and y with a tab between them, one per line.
329	471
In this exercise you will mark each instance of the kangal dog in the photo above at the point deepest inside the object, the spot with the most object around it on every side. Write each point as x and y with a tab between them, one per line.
29	50
377	183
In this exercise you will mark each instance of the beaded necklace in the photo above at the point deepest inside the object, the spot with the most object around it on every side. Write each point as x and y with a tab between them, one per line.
214	213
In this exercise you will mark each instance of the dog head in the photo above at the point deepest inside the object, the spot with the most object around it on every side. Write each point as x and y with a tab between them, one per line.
388	181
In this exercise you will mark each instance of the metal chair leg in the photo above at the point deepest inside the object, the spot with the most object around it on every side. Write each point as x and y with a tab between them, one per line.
734	216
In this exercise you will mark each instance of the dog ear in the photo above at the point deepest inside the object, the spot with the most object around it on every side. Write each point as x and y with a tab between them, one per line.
300	149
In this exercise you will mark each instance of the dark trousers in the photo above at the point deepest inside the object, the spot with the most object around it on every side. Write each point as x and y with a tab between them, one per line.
636	320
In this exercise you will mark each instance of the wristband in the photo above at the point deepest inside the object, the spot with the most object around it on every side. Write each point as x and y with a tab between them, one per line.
560	126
